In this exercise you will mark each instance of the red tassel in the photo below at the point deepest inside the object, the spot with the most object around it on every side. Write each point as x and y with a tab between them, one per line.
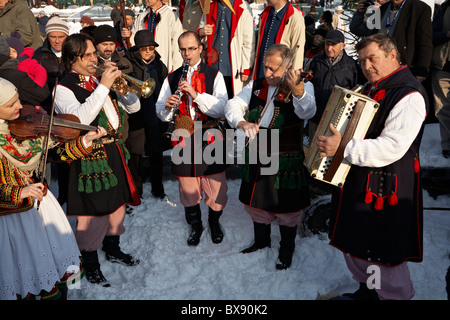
416	165
379	203
368	199
393	200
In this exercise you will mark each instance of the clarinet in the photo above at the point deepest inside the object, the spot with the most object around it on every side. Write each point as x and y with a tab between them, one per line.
179	93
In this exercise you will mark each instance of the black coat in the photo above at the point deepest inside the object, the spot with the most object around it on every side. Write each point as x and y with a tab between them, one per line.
30	93
413	34
54	67
157	70
344	73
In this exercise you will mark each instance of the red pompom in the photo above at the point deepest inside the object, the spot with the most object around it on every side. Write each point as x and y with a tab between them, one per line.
393	200
379	203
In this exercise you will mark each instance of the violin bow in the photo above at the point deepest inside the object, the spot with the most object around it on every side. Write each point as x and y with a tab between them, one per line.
46	142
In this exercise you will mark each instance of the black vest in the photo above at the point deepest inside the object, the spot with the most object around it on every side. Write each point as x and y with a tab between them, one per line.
200	169
287	190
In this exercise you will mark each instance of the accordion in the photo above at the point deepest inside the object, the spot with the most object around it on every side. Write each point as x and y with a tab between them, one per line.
351	114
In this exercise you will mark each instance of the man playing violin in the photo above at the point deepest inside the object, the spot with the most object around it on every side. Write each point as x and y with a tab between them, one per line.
99	185
256	109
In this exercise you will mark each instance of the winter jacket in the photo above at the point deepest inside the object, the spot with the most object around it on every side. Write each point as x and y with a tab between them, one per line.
156	70
413	34
344	74
53	65
16	16
167	31
30	93
33	68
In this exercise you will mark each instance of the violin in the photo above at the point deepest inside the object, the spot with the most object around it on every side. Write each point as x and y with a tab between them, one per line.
284	90
32	123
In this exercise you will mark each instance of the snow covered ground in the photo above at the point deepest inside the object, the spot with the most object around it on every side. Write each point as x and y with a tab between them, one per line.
156	233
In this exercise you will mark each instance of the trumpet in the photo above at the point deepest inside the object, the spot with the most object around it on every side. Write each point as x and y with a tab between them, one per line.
140	88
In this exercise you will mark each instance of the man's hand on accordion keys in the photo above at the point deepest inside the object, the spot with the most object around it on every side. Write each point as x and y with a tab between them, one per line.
328	145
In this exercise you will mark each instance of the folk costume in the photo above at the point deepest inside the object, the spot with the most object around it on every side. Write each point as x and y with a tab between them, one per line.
101	183
166	27
234	38
377	215
285	193
194	176
287	26
37	243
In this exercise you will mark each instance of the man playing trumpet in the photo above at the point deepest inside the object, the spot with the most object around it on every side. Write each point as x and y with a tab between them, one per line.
99	185
283	195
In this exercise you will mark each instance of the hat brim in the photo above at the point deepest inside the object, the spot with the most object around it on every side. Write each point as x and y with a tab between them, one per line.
147	43
334	41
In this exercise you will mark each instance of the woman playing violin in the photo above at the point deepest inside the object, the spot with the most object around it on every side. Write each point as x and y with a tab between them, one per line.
36	243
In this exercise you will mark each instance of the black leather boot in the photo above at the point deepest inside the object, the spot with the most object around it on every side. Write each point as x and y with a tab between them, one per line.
91	268
287	246
114	254
194	219
262	237
214	226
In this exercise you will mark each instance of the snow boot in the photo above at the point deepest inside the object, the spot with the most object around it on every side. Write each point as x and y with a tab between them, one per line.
262	237
287	246
194	219
91	268
363	293
114	254
214	226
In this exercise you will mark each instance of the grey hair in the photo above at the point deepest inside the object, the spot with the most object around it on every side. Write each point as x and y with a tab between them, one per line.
384	42
285	52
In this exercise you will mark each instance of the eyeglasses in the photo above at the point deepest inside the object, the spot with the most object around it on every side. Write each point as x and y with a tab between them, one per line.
88	55
188	49
145	49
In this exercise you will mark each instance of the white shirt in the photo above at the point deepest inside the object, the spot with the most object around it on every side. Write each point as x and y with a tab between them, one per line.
211	105
236	108
401	128
66	102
